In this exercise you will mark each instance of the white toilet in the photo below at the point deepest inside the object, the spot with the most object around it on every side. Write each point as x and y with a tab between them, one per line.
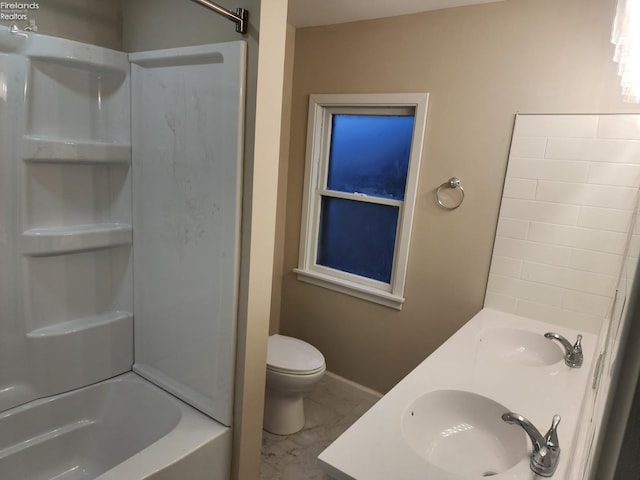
293	367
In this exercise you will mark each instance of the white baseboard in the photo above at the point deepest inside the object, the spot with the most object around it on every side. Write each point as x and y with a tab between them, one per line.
353	384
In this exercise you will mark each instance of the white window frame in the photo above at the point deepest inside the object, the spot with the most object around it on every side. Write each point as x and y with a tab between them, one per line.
321	109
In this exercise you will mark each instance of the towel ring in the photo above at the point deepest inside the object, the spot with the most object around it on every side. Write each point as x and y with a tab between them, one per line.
454	183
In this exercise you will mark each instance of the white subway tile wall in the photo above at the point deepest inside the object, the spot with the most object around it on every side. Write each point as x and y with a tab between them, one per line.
569	196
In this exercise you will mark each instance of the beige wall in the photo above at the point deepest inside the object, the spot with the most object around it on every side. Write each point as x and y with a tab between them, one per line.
278	264
481	65
155	24
259	241
98	22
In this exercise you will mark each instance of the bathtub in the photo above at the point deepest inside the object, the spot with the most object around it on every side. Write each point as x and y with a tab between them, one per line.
124	428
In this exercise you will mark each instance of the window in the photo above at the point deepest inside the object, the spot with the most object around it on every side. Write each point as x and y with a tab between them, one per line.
363	158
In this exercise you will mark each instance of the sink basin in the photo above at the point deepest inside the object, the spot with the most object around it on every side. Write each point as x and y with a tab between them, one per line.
463	433
519	346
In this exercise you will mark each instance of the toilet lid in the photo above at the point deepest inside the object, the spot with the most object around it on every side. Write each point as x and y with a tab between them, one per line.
290	355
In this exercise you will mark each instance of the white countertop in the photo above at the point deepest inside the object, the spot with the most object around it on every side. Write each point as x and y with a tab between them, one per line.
375	448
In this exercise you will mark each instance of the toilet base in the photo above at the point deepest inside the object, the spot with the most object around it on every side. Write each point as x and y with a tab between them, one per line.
283	412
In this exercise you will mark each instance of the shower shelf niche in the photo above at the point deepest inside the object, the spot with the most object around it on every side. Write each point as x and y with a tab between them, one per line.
88	58
60	150
87	349
83	324
62	240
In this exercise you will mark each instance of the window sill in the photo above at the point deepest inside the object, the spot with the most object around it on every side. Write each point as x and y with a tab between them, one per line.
350	288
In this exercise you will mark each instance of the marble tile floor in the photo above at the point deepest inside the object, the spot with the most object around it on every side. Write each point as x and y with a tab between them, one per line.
330	409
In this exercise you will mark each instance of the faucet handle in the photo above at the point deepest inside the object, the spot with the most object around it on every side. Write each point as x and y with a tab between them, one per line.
578	345
576	357
551	437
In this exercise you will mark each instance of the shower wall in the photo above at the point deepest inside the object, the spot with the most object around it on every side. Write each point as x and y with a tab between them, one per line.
187	130
65	222
67	209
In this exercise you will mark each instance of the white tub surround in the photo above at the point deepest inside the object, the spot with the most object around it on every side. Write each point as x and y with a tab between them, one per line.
505	359
77	197
187	107
65	216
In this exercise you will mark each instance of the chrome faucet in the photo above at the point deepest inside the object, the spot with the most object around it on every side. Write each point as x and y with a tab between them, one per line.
546	450
573	353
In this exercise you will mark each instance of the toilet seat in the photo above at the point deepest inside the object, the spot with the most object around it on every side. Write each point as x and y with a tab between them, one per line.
293	356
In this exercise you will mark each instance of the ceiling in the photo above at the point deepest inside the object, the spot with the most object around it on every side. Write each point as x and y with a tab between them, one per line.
308	13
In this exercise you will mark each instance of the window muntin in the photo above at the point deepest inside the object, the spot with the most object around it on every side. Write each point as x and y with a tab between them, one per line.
331	189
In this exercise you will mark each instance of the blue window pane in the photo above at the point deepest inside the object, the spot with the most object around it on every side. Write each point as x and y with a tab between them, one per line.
370	154
358	237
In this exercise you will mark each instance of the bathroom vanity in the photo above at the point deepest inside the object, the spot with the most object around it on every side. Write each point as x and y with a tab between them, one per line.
444	419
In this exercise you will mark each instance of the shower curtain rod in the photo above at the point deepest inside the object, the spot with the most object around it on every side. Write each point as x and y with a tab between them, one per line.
240	18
